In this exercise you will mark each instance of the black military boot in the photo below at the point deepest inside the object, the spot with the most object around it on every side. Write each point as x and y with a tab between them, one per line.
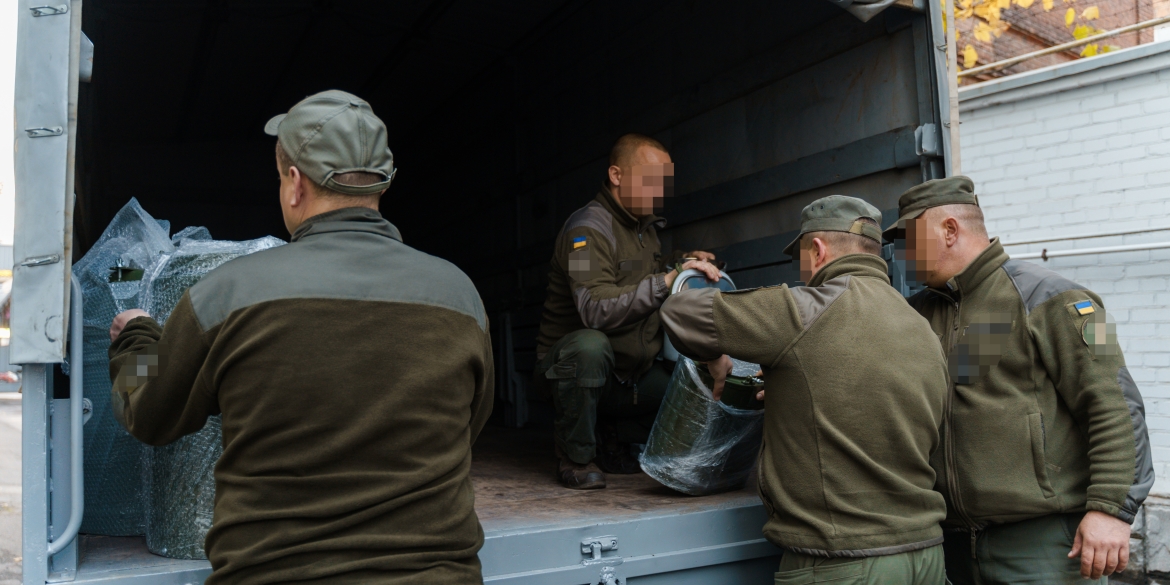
575	476
614	456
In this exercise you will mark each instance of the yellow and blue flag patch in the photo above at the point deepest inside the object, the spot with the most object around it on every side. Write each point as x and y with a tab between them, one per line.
579	242
1084	308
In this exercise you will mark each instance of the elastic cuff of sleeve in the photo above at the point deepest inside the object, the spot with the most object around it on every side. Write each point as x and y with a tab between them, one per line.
143	321
660	289
1111	509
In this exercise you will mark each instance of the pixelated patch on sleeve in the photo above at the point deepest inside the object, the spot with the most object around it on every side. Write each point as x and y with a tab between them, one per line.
141	368
583	266
1099	333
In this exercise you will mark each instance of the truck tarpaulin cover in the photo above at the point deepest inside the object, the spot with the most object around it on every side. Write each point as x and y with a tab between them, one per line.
166	493
699	445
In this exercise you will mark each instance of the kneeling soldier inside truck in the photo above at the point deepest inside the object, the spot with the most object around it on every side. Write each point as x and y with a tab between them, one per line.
352	371
599	340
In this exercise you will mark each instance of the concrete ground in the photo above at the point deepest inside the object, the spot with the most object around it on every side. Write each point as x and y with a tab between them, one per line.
10	540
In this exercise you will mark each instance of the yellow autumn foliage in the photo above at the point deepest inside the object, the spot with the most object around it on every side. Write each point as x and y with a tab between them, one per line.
1047	5
970	57
1070	17
1091	13
1089	50
1025	3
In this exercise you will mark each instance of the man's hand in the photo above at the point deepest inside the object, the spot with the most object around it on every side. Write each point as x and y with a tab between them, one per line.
760	394
701	255
719	369
122	319
703	266
1102	541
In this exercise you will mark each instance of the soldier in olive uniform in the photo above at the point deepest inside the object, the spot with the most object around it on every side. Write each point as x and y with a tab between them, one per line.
856	388
599	340
1045	455
353	373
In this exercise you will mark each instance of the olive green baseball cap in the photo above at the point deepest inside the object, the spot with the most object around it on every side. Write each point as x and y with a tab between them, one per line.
335	132
838	213
917	199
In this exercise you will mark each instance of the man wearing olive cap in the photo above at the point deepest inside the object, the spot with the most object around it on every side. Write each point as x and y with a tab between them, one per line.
352	371
1045	455
845	470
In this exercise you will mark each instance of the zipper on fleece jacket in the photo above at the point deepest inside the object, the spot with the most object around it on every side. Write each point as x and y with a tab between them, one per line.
949	456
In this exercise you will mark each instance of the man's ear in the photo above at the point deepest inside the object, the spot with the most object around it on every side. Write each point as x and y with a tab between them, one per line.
299	188
950	231
615	175
820	252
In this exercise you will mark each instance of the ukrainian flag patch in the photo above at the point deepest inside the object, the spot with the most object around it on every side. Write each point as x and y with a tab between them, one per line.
1084	308
579	242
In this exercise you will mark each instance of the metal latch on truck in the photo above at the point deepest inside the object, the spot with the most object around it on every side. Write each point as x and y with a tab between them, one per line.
592	548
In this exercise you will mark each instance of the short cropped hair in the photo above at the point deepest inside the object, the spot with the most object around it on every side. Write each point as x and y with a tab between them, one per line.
627	146
353	179
969	216
846	243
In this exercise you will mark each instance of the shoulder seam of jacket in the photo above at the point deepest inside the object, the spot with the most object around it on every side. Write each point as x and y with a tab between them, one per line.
1036	285
594	216
812	302
218	295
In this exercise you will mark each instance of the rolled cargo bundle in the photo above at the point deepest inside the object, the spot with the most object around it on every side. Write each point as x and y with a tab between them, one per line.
701	446
180	476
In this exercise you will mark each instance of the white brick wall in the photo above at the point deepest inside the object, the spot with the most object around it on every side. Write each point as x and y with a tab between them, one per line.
1091	159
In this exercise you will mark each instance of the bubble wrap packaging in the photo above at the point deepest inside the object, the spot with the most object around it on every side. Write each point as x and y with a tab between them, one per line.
179	478
113	459
165	493
700	446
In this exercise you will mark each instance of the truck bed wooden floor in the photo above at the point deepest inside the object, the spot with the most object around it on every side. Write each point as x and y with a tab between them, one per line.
515	493
515	487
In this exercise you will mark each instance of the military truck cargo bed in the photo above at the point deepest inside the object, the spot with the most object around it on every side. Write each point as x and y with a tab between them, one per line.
500	116
533	524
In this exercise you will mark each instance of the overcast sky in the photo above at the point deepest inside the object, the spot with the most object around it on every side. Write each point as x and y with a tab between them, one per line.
7	74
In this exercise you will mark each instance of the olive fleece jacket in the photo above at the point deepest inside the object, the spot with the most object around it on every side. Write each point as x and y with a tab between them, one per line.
607	274
353	374
1042	414
856	383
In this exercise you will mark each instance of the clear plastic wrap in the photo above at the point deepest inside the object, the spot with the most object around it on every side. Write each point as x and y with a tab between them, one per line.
113	459
698	445
166	493
180	480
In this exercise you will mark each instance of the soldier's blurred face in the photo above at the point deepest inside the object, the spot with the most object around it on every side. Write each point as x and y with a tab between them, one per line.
921	249
646	182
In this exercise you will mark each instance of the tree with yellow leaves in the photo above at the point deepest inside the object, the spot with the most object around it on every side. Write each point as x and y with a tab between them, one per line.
990	24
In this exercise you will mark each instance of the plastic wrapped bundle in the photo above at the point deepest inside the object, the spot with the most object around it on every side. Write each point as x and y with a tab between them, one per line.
698	445
181	484
110	275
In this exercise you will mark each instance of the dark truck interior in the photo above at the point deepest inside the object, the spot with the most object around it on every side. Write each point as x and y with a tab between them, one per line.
501	117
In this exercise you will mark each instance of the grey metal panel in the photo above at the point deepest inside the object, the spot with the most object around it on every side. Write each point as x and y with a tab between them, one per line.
758	571
889	150
1103	68
164	575
647	545
945	82
63	565
46	96
34	451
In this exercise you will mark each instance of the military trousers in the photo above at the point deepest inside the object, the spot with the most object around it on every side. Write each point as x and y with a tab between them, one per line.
919	567
577	376
1030	551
